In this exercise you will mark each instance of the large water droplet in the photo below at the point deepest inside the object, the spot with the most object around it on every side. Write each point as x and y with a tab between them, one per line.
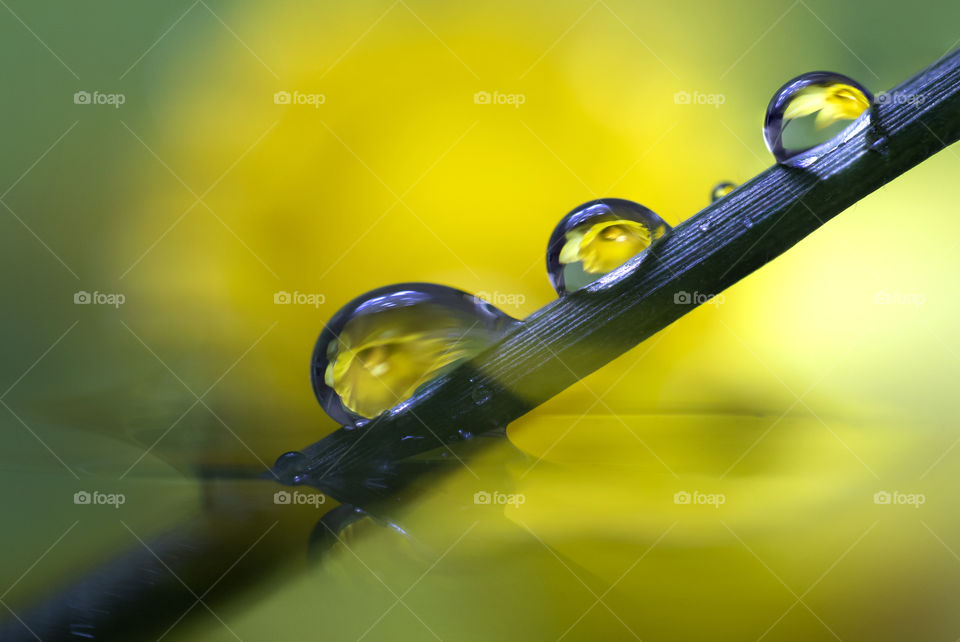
720	190
597	238
810	110
379	348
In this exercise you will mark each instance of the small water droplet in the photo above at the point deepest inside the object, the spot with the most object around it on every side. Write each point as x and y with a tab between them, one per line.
288	466
479	394
377	350
704	227
810	110
747	223
720	190
598	237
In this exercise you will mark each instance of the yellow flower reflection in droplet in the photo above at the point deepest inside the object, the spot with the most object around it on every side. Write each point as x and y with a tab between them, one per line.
831	103
606	245
380	360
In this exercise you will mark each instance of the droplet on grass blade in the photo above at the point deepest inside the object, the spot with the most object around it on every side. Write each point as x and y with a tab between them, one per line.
811	110
597	238
379	348
720	190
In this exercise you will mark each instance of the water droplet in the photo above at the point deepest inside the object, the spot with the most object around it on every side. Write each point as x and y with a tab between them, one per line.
810	110
597	238
379	348
704	227
479	393
287	466
720	190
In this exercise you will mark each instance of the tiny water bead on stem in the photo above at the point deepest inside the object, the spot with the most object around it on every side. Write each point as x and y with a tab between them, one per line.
810	110
379	348
597	238
720	190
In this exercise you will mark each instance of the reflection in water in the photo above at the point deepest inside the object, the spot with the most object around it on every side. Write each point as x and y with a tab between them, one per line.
600	508
511	538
